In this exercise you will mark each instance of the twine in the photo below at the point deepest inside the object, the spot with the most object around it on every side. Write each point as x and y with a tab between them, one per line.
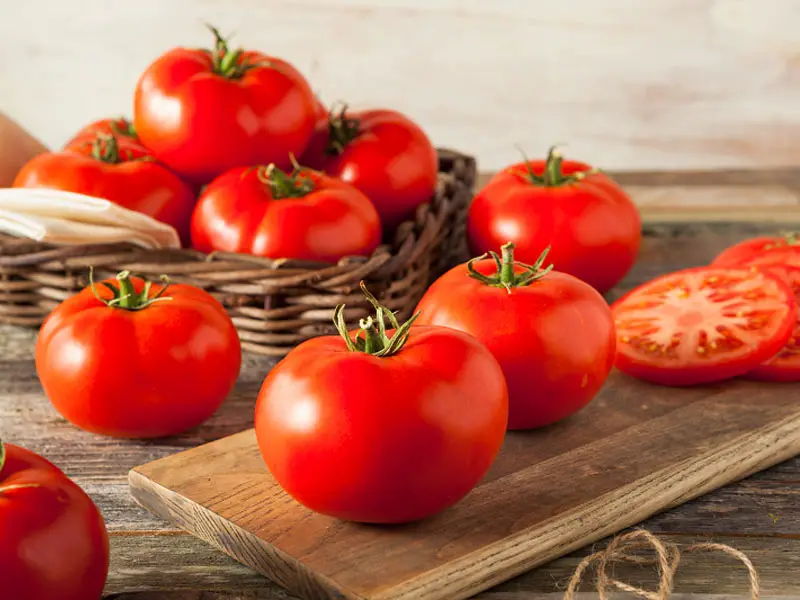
626	549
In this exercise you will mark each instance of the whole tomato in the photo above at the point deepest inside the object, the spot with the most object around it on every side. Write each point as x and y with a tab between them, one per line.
384	426
53	542
552	334
267	212
118	170
130	360
382	153
591	225
752	248
119	127
203	112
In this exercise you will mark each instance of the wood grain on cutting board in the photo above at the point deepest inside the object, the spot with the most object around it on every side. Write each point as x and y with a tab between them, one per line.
636	450
666	84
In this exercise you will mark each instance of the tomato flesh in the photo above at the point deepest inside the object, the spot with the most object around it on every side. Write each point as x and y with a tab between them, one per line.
755	247
702	325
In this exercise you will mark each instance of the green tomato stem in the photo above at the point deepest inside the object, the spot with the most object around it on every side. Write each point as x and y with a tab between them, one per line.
553	174
341	130
506	275
296	184
372	337
124	296
126	129
14	486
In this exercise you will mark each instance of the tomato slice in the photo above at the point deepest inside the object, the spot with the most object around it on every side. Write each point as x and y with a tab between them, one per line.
734	255
784	366
702	325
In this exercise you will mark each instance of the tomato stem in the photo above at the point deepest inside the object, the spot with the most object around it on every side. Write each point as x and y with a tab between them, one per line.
106	149
792	237
372	337
124	296
2	455
553	173
296	184
341	130
226	62
506	275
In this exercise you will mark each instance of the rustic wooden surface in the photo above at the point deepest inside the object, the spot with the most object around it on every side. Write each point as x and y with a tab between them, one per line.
635	450
760	515
661	84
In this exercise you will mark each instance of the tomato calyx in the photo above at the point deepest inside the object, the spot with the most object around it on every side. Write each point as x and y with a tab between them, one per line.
341	130
227	63
553	174
372	337
295	184
123	127
105	148
13	486
506	275
125	296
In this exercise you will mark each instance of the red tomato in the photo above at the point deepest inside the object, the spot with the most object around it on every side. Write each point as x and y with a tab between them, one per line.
382	153
552	334
301	215
120	128
383	427
117	170
785	366
734	255
158	362
53	542
203	112
702	325
592	227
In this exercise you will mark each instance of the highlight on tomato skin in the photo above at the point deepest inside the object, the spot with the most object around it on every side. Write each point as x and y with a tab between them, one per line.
702	325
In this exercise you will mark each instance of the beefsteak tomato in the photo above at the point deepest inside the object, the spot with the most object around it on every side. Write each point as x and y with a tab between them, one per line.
303	215
702	325
753	248
203	112
382	153
121	171
131	360
552	334
382	426
53	542
592	227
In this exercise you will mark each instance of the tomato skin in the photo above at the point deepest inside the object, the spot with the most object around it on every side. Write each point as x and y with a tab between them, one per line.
119	127
141	185
725	362
391	160
382	440
202	124
551	371
54	544
738	254
592	227
238	213
149	373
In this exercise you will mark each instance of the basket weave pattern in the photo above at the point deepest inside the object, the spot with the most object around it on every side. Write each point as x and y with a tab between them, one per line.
274	303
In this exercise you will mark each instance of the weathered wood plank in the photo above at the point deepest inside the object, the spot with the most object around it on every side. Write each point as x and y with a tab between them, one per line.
672	85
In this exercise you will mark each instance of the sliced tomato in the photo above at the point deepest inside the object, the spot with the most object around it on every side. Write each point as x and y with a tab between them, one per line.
702	325
734	255
784	366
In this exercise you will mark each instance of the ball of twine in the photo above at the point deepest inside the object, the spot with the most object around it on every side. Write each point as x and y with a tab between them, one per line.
627	548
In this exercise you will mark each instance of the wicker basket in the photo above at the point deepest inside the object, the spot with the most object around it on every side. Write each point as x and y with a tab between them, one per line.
275	303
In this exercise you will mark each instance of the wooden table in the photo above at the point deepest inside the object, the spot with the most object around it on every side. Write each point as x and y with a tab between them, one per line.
152	560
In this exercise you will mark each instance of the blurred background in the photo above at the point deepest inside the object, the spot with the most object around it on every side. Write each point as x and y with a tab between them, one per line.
625	84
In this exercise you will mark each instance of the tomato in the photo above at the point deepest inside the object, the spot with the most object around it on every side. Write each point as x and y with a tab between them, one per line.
117	170
591	225
734	255
552	334
53	542
702	325
382	426
120	128
303	215
203	112
382	153
128	360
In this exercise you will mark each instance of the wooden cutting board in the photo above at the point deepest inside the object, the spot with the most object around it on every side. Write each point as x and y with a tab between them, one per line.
636	450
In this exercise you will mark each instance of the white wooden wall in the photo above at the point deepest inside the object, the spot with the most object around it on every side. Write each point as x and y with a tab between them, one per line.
627	84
